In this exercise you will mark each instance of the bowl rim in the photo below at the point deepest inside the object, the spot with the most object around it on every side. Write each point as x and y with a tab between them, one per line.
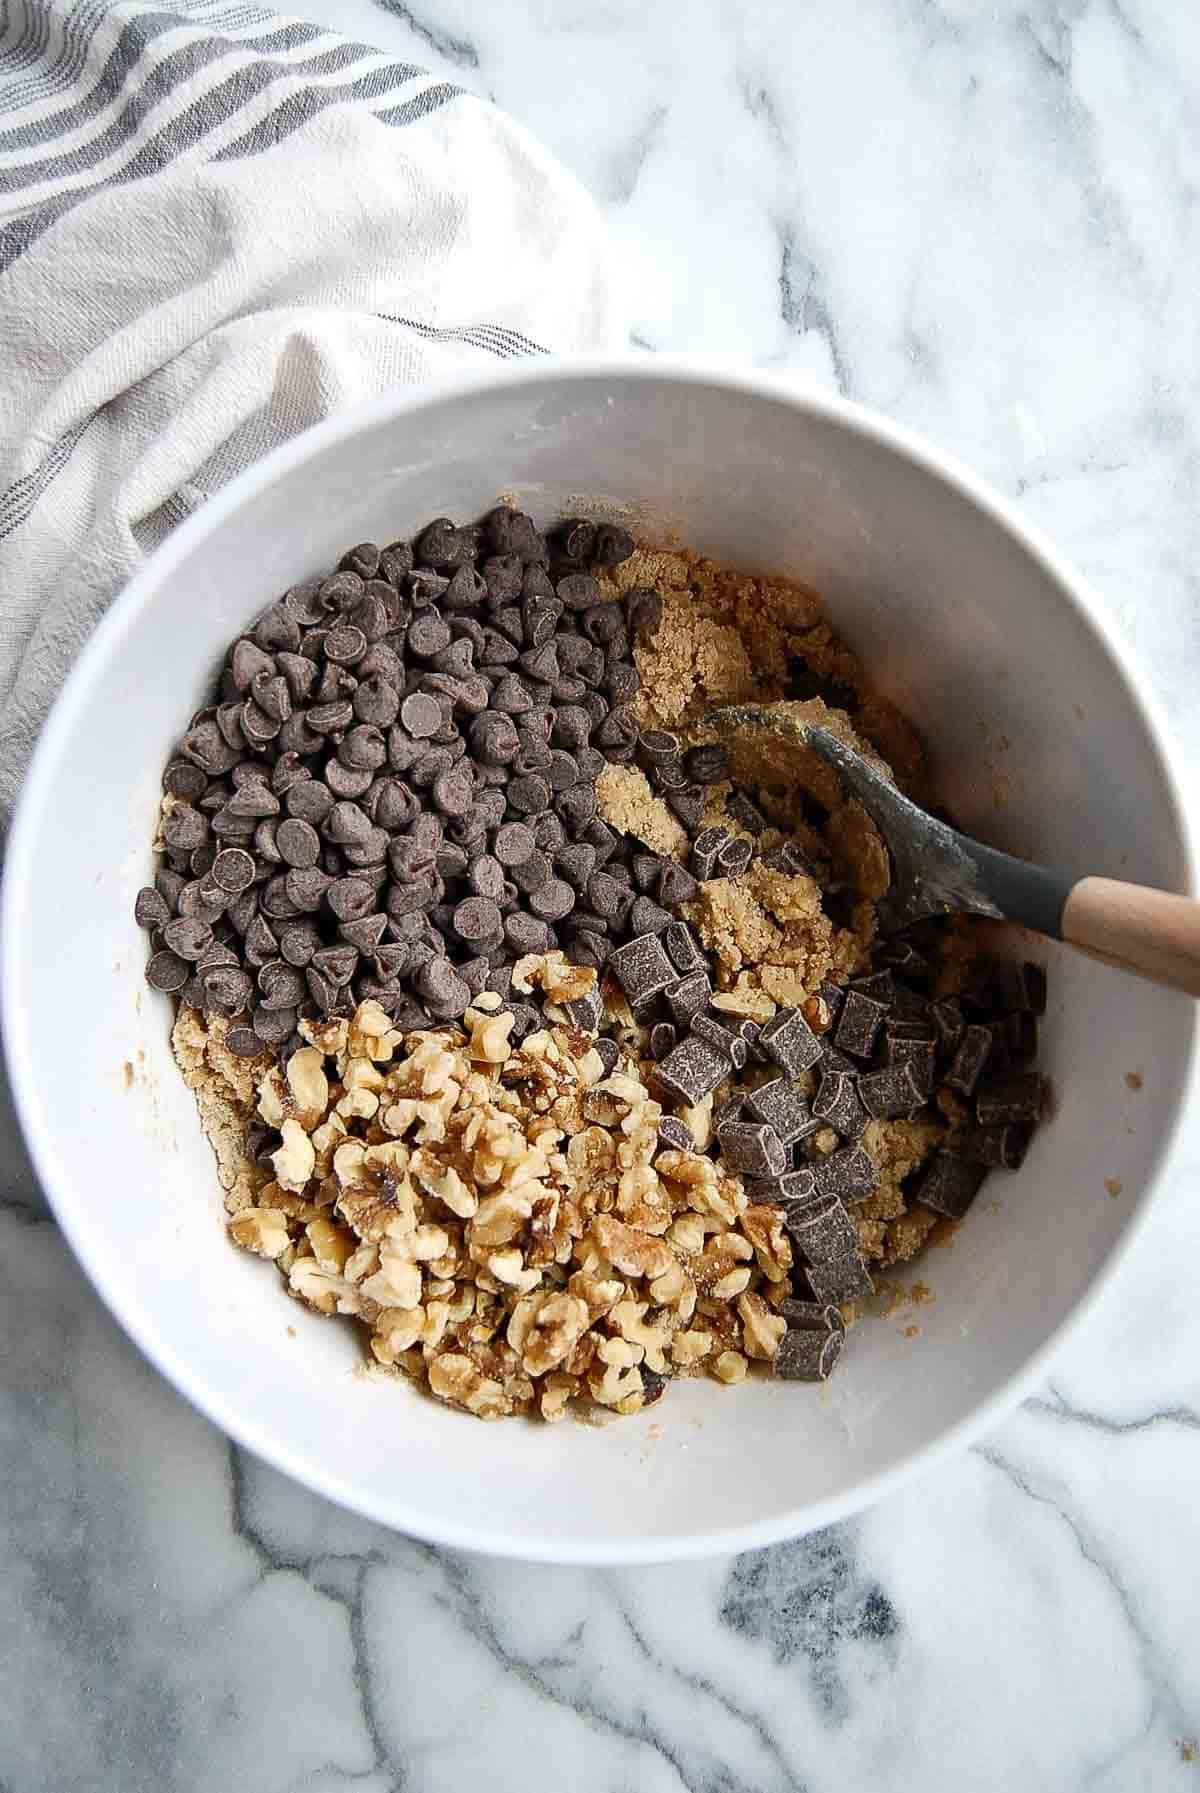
220	1405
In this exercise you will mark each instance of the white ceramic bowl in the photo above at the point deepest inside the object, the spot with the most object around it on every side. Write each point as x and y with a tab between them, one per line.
1043	742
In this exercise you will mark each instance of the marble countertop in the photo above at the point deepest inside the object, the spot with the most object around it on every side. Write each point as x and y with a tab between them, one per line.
984	221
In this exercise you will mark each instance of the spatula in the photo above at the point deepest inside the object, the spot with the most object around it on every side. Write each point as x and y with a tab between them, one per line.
938	871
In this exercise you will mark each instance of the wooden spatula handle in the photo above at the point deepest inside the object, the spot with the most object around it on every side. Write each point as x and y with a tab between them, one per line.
1148	931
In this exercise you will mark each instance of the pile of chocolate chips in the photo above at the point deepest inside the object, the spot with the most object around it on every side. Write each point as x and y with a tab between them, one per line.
393	794
889	1049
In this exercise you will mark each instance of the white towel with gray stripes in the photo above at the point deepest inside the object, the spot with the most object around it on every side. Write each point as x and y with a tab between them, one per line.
218	225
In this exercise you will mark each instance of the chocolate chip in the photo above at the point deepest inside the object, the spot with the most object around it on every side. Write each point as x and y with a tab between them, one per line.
784	1109
260	944
552	900
972	1054
183	781
790	1042
442	990
476	918
526	934
849	1174
751	1148
529	795
805	1355
281	986
692	1070
350	898
298	941
647	917
949	1185
167	971
337	963
151	910
676	886
310	801
243	1042
187	938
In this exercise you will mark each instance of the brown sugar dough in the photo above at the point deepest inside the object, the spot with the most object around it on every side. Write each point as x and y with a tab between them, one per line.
628	803
225	1089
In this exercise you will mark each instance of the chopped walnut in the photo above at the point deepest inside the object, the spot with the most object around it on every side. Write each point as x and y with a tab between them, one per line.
503	1220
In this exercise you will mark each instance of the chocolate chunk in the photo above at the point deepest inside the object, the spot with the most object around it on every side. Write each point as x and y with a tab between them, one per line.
849	1174
693	1069
793	1186
812	1316
642	969
901	956
733	1108
880	985
707	1027
894	1091
949	1185
836	1103
674	1136
1002	1147
706	851
1020	1037
947	1018
822	1229
789	860
663	1036
746	814
807	1356
782	1106
859	1023
1002	985
683	948
973	1052
845	1279
609	1052
751	1148
687	806
688	997
706	765
919	1055
790	1042
1018	1096
676	886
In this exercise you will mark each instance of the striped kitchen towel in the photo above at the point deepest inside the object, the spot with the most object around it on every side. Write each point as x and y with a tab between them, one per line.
218	225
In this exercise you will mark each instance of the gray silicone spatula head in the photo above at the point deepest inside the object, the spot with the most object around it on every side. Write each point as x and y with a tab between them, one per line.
935	871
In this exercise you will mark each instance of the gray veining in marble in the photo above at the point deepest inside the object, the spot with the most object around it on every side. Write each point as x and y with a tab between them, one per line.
984	221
